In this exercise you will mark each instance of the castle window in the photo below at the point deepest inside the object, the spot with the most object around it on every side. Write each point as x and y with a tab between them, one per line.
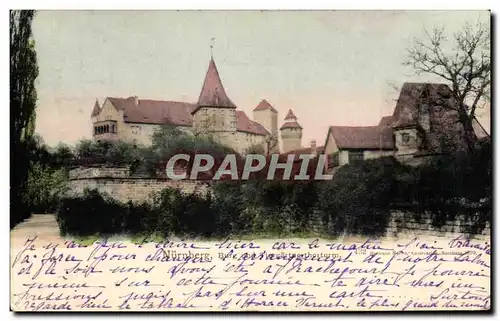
405	138
355	157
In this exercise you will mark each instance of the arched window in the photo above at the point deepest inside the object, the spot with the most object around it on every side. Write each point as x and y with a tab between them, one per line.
107	128
113	129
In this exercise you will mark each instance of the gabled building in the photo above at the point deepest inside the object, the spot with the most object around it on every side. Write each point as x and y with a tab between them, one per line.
134	119
423	124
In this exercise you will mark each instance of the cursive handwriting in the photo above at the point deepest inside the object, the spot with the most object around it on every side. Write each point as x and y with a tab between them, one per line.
236	275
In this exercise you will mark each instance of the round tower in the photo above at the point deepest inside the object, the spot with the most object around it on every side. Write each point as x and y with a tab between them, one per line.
291	133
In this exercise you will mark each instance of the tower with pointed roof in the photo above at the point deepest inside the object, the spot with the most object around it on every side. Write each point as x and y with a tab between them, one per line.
267	116
214	113
135	120
291	133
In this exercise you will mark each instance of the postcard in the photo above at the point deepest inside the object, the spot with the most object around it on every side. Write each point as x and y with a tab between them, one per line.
222	161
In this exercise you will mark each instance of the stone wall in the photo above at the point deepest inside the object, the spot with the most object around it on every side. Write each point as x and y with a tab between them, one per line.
403	222
120	185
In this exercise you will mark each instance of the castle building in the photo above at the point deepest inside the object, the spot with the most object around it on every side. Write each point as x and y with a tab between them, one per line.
424	124
135	120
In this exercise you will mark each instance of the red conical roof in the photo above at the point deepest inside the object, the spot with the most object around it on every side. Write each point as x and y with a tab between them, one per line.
290	115
290	121
264	105
212	92
290	124
96	109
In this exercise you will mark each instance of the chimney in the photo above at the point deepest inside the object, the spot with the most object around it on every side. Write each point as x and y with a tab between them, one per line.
135	99
313	147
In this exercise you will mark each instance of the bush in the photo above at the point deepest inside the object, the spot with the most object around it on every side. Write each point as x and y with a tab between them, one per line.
45	188
229	205
90	214
357	199
184	214
173	213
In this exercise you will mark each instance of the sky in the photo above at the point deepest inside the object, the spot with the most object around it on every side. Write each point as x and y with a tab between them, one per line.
329	67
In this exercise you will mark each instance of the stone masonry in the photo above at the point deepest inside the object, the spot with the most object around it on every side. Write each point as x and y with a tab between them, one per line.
120	185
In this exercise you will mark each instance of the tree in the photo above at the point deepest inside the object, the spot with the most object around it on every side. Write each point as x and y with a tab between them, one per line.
61	156
271	144
467	68
23	73
256	149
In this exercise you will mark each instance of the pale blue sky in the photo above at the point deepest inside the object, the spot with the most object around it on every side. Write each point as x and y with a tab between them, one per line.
330	67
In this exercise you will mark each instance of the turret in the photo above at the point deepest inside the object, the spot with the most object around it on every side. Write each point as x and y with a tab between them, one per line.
214	112
291	133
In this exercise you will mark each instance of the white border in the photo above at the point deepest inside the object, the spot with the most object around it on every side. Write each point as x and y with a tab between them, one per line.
190	4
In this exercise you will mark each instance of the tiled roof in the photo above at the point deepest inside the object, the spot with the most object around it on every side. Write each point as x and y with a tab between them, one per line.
443	120
290	115
212	92
96	109
245	124
154	111
373	137
412	96
264	105
291	124
290	121
173	113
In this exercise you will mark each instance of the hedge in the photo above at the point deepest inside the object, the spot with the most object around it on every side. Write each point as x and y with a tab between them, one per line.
358	200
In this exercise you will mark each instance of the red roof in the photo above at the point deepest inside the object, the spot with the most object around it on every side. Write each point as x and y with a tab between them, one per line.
245	124
413	96
173	113
373	137
96	110
292	121
150	111
291	124
212	92
265	105
290	115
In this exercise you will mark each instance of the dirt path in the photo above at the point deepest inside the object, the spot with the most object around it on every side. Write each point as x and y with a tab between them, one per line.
42	225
